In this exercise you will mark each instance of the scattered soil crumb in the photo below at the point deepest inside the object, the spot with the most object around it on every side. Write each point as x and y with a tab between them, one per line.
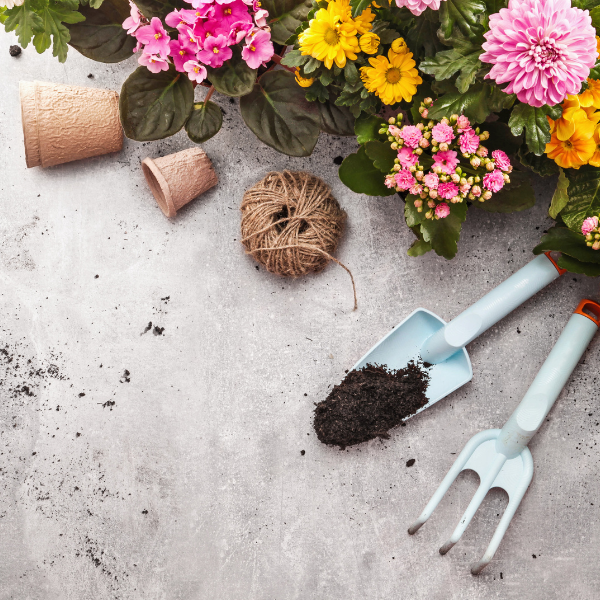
147	328
15	50
126	377
108	404
158	330
410	462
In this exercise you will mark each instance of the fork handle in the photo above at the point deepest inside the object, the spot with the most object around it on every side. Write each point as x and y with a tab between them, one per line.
549	382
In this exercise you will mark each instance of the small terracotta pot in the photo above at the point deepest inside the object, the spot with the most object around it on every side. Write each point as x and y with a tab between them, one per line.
178	178
62	123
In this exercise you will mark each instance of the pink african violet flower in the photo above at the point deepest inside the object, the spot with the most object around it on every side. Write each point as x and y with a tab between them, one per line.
133	22
154	62
155	38
468	141
405	180
442	210
543	50
447	190
181	18
416	7
259	49
228	14
181	51
416	189
215	51
442	133
239	31
196	72
589	225
447	161
260	17
139	46
463	123
407	158
431	180
211	28
501	159
493	181
411	135
224	1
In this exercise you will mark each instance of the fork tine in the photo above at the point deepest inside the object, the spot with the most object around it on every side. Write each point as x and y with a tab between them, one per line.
452	474
482	490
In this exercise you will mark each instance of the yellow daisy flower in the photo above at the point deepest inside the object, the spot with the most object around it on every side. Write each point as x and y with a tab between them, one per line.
391	78
369	42
362	22
329	39
591	96
399	46
571	153
595	158
303	81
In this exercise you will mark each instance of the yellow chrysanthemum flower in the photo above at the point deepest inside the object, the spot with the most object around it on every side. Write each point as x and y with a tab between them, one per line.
369	42
399	46
591	96
303	81
595	158
571	153
362	22
329	39
391	78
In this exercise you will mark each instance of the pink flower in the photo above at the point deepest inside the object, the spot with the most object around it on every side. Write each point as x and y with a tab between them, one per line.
431	180
181	18
259	49
543	50
416	7
465	187
260	17
224	1
463	123
154	62
442	133
416	189
501	159
405	180
468	141
476	191
395	131
494	181
390	181
215	51
447	161
442	210
482	151
407	158
196	72
411	135
228	14
155	39
239	31
589	225
447	190
211	28
133	22
181	51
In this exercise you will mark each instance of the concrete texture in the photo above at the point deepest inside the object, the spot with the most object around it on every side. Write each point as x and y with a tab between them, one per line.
192	485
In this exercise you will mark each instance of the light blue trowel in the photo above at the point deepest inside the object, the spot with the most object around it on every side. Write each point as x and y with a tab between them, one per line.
425	336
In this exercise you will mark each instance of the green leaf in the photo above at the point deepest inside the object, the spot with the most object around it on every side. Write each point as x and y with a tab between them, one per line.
235	77
562	239
500	100
359	174
561	195
24	21
462	14
159	8
53	14
422	37
358	6
533	120
351	72
517	196
443	234
473	104
448	62
411	214
285	16
418	248
382	155
595	14
584	196
155	105
542	165
367	127
576	266
101	36
277	112
204	122
294	58
336	120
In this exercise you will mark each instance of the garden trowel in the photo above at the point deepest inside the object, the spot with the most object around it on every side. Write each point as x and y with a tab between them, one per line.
423	336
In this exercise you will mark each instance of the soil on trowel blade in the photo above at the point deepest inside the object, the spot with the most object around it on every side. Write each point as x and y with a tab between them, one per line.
369	402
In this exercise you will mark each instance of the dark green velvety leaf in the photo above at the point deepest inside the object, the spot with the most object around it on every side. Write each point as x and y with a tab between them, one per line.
101	36
277	112
514	197
562	239
204	122
443	234
422	37
473	104
447	63
561	195
411	214
159	8
336	120
533	120
235	77
576	266
359	174
382	155
418	248
462	14
155	106
285	16
584	196
24	21
367	127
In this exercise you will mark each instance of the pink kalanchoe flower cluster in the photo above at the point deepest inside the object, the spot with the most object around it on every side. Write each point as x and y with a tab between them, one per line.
447	181
544	50
416	7
591	230
205	36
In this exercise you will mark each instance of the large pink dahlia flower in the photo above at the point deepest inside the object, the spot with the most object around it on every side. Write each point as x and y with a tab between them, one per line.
543	49
416	7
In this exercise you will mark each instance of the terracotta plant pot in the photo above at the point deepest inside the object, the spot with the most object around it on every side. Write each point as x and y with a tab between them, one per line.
178	178
62	123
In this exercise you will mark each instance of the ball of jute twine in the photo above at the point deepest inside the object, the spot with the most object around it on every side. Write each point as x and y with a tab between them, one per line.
291	224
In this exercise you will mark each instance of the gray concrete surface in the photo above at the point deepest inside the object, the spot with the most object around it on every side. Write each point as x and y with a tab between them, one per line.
192	485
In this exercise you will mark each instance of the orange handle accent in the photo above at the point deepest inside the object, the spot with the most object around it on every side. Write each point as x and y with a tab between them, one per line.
591	307
549	257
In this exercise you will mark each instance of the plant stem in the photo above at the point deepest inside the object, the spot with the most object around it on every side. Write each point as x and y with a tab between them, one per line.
277	60
209	94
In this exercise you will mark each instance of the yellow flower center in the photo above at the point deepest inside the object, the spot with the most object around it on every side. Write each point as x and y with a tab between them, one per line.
227	11
196	69
182	52
157	36
216	50
393	75
331	37
252	48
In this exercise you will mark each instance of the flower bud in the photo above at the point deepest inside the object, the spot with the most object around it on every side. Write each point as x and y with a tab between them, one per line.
396	161
465	155
445	121
419	175
444	178
392	120
453	119
506	178
475	162
431	204
486	195
476	191
484	136
394	145
455	177
425	114
418	203
427	135
418	151
423	195
420	209
424	142
477	179
412	169
391	138
433	194
596	246
429	214
427	101
456	200
420	126
470	181
463	181
443	146
397	167
437	169
422	109
471	197
382	130
490	166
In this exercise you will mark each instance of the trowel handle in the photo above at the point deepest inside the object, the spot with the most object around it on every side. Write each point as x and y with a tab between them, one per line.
549	382
493	307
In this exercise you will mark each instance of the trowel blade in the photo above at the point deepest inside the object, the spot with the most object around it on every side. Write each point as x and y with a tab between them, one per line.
404	343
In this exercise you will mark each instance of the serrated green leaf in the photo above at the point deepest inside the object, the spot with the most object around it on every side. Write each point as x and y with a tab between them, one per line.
533	120
24	21
463	14
382	155
411	214
473	104
448	62
351	72
576	266
560	197
562	239
311	65
584	196
204	122
418	248
359	174
443	234
285	16
366	128
53	15
294	58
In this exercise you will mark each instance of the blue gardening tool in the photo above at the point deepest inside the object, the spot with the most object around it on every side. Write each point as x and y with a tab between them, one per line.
424	335
501	457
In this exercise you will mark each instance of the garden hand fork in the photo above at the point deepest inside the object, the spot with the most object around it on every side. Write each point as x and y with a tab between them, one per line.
501	457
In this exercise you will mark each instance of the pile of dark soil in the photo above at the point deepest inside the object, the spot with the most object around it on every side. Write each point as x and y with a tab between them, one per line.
369	402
